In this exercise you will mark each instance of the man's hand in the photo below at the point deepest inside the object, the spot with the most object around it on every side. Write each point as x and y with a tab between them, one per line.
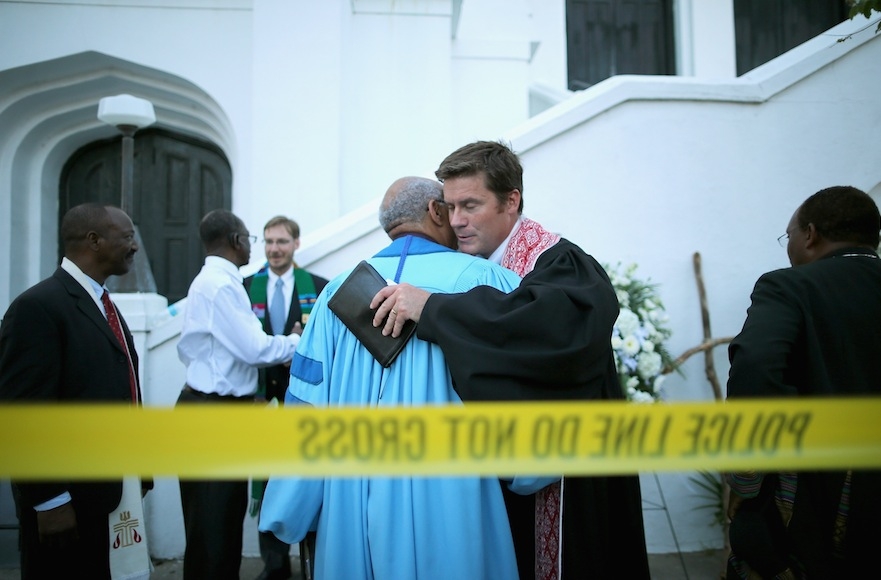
57	527
397	304
734	502
298	330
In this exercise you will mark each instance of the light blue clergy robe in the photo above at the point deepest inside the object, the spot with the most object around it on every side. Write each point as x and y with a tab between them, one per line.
388	528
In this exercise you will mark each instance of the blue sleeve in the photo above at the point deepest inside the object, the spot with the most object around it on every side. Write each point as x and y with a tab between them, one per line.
309	382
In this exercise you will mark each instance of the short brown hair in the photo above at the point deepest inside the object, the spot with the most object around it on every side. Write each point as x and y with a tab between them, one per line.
500	166
280	220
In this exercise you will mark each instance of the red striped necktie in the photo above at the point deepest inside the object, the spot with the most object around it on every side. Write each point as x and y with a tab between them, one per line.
116	327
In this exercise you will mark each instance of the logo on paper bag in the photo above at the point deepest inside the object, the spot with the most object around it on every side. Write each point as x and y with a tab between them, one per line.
126	531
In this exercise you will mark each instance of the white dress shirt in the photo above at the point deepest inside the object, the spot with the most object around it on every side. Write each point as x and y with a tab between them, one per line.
94	289
222	342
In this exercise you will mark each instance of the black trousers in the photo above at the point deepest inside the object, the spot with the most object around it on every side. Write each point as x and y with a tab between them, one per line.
276	556
521	518
214	512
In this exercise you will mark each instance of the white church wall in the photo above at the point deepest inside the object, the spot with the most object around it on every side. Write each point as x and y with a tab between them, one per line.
297	118
705	44
395	109
652	181
547	31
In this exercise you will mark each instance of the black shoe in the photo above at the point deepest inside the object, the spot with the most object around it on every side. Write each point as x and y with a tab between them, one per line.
276	574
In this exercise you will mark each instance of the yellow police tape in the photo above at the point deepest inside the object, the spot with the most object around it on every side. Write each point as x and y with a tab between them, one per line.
217	441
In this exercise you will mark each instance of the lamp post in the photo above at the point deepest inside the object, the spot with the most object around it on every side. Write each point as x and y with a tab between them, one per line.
128	114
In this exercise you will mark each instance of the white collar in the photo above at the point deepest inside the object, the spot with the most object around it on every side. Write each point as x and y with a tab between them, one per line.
89	285
287	277
496	257
224	265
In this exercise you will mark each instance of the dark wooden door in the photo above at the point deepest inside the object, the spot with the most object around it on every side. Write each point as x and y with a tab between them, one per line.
612	37
765	29
177	180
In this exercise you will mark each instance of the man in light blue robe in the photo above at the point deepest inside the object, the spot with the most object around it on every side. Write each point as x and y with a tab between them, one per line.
394	527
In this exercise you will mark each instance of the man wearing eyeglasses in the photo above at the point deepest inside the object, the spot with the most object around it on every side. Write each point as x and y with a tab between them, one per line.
282	295
221	343
811	330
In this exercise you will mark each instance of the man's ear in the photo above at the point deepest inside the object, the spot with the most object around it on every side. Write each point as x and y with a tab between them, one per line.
437	211
514	199
92	237
812	237
233	239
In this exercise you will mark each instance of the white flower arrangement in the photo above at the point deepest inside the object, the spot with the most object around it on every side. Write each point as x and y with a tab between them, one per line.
639	335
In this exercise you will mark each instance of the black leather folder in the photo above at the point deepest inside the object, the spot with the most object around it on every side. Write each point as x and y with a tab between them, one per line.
351	303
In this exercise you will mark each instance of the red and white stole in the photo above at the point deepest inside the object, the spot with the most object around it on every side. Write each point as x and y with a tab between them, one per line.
526	245
524	248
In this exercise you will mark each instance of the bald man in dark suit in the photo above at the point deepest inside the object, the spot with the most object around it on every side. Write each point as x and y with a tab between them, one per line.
57	346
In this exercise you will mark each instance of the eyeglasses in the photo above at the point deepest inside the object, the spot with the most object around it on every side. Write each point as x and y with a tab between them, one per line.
783	240
278	242
251	239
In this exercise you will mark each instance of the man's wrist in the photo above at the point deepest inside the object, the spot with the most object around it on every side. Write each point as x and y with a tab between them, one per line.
53	503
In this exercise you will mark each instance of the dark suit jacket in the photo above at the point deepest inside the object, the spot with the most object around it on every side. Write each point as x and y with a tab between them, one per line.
813	330
276	378
56	346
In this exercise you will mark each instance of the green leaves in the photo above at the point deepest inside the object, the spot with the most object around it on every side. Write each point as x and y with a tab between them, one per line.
712	490
864	7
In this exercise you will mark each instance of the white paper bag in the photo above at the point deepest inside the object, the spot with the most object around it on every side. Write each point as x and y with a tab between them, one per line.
129	556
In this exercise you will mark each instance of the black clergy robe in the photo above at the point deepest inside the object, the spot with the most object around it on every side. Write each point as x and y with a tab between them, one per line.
549	339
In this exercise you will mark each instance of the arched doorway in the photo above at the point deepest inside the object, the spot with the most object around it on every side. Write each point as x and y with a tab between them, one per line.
48	114
177	180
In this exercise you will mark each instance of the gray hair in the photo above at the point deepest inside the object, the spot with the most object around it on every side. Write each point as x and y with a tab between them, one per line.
410	203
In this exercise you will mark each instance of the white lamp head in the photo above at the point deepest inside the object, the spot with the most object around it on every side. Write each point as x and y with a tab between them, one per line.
126	110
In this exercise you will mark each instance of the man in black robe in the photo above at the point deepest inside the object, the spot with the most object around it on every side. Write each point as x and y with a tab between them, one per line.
550	339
